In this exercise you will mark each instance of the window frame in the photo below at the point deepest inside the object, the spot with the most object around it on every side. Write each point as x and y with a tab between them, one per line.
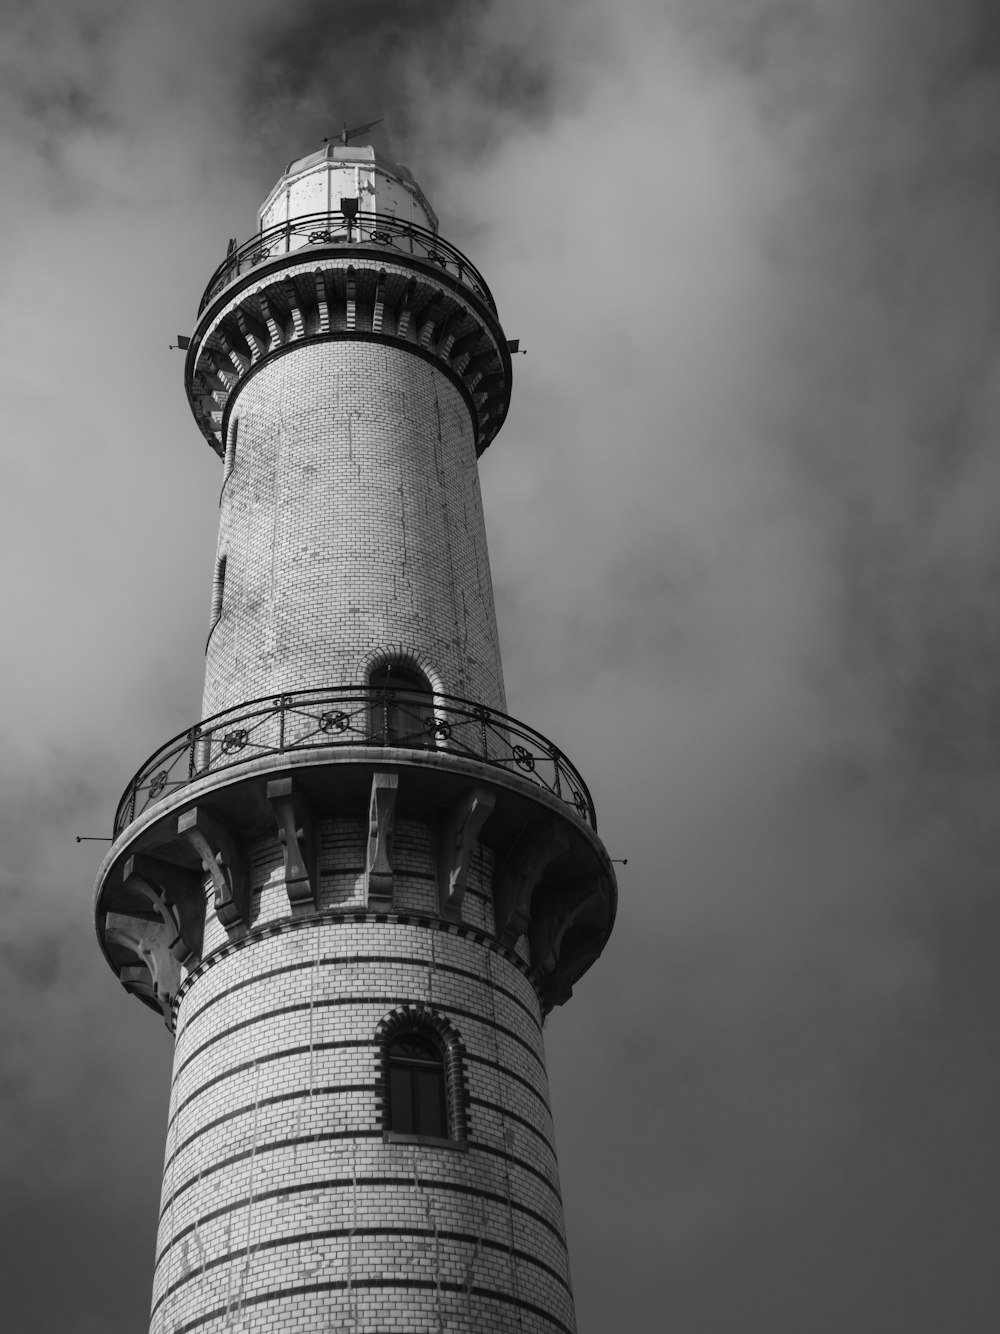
390	704
426	1102
440	1033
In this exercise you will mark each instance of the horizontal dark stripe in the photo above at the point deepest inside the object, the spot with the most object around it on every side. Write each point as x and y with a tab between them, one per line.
339	1002
334	1046
475	894
355	917
341	1183
338	959
233	1113
508	1115
510	1074
330	1234
331	1136
425	877
257	1151
265	1060
370	1284
302	1094
525	1166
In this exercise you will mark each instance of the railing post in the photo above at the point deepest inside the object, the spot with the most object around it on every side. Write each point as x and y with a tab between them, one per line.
556	756
281	722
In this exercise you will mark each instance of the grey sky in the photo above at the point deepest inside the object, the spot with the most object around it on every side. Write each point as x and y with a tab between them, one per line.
743	528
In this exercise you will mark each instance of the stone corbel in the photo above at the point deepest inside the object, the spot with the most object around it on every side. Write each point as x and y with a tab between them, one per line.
295	834
378	311
430	316
158	973
177	896
405	313
581	945
223	860
459	834
254	332
516	883
381	821
351	305
557	911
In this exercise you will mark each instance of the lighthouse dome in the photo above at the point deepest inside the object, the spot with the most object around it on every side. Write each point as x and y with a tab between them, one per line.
317	182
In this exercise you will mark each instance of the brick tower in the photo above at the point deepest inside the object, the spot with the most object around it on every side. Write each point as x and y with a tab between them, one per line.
355	887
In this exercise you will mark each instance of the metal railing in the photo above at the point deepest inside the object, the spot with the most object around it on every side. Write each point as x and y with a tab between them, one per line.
354	716
377	229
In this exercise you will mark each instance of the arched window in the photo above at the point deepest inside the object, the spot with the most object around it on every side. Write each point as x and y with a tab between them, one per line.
422	1088
417	1101
402	706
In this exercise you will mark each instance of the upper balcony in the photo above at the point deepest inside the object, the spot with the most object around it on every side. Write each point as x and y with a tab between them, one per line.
392	236
350	274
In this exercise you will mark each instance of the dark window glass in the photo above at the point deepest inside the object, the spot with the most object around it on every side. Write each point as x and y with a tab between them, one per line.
402	707
416	1087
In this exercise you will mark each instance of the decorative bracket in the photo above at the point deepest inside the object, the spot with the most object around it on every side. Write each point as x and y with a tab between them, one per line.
223	860
459	834
158	973
381	821
558	910
581	945
295	834
177	896
516	883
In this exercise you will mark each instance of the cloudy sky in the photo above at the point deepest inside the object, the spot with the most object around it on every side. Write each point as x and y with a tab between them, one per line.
744	529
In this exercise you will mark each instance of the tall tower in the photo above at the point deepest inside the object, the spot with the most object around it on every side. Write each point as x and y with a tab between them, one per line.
355	887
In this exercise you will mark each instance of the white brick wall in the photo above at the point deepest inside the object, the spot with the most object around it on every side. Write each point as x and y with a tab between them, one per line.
351	520
283	1207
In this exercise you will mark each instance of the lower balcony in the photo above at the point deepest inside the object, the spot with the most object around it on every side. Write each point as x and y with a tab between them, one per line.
280	772
346	717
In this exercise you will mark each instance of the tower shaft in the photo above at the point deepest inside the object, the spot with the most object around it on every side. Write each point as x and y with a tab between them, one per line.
354	887
351	526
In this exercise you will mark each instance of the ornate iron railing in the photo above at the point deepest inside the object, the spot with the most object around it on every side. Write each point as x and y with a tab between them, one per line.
377	229
354	716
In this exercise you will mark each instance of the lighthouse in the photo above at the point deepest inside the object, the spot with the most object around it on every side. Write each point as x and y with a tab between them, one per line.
355	886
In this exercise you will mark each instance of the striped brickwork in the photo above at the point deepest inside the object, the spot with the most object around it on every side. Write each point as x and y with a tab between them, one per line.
283	1205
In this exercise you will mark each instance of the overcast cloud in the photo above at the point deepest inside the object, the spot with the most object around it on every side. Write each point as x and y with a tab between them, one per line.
743	525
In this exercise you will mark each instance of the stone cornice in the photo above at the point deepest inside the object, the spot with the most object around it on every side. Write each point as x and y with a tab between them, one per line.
331	293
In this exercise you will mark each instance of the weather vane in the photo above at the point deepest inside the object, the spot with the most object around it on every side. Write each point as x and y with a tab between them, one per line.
346	135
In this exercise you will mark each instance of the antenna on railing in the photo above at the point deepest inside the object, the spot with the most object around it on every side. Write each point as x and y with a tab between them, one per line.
349	208
93	838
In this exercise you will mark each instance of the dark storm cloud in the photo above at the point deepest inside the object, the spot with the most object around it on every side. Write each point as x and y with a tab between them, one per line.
765	466
450	74
888	243
743	526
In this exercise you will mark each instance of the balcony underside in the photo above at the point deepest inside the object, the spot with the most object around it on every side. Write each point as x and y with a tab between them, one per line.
552	883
